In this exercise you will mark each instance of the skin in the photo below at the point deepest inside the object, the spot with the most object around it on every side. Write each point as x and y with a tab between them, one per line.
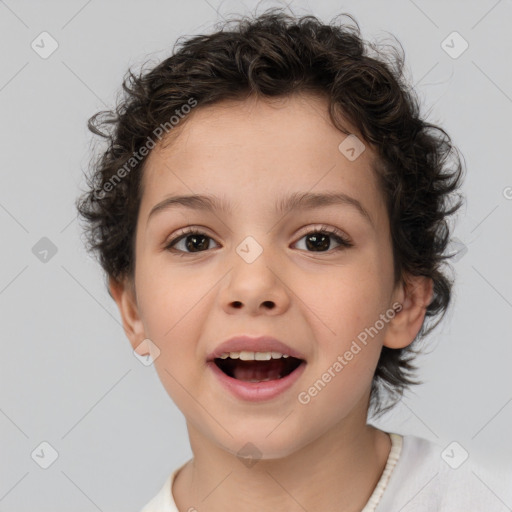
319	456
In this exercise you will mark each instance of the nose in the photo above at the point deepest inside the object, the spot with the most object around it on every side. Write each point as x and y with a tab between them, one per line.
256	287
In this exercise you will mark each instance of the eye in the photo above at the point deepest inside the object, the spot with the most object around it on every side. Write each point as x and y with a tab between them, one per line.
192	241
319	240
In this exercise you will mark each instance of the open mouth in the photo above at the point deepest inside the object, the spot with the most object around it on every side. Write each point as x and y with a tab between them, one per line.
258	371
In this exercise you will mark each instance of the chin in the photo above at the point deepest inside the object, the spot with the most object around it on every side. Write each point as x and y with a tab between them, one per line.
253	448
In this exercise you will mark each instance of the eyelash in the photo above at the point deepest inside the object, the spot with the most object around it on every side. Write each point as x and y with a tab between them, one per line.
336	234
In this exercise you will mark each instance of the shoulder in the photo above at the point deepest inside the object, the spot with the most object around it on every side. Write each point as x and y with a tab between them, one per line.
428	477
163	501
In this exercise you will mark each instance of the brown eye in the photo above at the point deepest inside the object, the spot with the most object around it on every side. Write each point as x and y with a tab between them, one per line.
320	240
190	241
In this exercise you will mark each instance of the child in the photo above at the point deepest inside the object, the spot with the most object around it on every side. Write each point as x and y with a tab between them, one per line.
271	214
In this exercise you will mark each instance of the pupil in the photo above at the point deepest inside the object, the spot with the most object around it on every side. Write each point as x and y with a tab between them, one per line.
318	241
194	238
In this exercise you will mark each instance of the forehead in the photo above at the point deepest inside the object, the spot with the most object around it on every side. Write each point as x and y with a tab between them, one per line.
280	143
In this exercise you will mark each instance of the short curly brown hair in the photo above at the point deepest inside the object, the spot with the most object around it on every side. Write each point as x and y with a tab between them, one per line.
277	54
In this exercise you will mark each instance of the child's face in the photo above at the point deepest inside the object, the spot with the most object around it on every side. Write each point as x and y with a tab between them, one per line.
316	298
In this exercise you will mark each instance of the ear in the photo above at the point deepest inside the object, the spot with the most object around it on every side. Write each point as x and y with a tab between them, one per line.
414	295
124	295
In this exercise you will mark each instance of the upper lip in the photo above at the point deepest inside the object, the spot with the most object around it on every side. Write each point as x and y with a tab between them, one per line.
252	344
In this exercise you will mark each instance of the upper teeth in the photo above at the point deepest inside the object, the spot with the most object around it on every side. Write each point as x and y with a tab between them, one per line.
251	356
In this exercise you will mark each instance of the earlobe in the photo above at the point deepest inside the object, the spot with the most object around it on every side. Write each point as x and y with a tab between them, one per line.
414	295
124	295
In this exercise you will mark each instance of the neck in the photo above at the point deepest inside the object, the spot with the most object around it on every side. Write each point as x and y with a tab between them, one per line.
338	471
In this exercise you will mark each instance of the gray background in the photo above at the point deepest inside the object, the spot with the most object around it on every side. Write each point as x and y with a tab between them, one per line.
67	371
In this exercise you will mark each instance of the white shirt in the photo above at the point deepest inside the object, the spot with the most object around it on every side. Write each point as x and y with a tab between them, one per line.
416	478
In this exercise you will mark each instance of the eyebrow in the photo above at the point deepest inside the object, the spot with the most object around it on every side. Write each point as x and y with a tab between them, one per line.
294	202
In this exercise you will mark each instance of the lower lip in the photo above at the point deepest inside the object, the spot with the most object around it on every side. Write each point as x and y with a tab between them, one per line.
256	391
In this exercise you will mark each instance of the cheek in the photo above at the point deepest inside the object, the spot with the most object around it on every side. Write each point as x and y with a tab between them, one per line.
172	317
350	297
349	343
166	296
346	307
172	306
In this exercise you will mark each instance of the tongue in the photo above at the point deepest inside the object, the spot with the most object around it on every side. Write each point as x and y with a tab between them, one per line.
258	370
